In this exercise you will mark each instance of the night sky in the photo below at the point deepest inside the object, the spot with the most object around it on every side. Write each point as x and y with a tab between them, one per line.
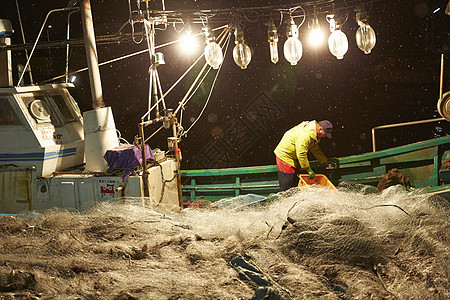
397	82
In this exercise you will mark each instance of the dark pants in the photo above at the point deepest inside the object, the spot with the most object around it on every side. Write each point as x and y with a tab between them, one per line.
287	174
287	180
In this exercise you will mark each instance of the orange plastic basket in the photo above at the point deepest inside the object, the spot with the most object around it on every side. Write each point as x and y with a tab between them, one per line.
319	179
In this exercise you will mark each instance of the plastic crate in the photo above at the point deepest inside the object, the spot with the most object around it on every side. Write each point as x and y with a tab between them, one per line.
319	180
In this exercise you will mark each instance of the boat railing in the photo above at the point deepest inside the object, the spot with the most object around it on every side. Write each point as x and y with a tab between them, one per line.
230	182
420	161
374	149
38	37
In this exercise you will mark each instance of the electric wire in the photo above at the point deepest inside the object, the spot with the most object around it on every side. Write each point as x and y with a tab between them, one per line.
304	17
112	60
176	83
212	87
184	133
153	134
222	34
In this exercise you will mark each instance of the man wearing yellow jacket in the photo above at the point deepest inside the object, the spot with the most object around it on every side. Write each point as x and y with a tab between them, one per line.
292	150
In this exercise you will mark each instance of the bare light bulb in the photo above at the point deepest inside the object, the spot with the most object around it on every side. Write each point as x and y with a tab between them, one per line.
188	43
315	37
365	37
213	55
338	44
274	52
293	49
242	54
337	41
315	34
213	52
272	38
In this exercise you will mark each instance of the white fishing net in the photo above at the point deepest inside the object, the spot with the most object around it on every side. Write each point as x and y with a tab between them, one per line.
312	243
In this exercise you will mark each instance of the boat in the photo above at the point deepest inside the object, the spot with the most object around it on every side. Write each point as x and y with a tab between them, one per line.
58	156
421	162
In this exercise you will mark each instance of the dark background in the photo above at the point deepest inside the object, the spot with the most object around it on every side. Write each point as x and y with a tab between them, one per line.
397	82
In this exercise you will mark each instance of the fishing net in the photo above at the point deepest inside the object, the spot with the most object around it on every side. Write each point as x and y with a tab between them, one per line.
311	243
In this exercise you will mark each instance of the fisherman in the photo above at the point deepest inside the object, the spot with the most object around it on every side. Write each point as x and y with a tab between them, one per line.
292	151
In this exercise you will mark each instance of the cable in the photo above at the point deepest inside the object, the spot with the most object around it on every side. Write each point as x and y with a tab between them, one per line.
174	85
164	181
111	61
184	133
304	17
212	87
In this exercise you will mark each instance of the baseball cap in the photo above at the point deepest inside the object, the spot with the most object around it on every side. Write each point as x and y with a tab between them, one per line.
327	127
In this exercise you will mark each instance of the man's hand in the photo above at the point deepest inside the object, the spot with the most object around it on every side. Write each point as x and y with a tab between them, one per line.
330	166
311	173
332	163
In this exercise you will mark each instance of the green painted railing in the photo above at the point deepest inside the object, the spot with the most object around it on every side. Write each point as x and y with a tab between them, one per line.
419	161
222	183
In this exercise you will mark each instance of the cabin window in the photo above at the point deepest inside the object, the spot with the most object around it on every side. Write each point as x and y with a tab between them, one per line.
39	108
63	108
7	114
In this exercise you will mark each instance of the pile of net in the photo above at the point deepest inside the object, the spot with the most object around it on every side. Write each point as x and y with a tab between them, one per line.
312	243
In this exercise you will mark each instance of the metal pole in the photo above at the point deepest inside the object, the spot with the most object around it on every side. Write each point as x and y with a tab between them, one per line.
399	125
178	163
145	186
441	81
91	54
155	89
67	46
23	38
373	140
37	39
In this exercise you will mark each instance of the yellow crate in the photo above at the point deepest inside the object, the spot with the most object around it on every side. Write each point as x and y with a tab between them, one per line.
319	179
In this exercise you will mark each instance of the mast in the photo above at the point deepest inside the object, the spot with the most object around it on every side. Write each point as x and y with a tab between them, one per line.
91	55
99	127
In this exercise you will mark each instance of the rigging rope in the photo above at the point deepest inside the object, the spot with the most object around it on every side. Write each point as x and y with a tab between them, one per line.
212	86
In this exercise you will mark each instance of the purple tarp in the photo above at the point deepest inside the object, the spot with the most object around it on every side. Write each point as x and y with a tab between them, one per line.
125	158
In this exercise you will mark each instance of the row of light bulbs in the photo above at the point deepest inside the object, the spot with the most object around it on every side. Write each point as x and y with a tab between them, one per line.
293	50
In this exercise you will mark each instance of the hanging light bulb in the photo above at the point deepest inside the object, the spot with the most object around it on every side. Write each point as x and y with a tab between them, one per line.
241	52
293	49
272	38
188	43
213	52
337	41
315	34
365	35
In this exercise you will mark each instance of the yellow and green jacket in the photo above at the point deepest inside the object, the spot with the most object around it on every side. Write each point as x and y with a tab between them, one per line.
296	142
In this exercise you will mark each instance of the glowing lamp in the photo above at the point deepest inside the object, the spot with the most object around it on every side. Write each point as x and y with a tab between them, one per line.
272	38
337	41
315	34
241	52
293	49
338	44
365	37
213	55
213	52
242	55
188	42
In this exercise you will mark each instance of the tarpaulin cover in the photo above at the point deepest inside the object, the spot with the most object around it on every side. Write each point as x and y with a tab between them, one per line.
125	158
